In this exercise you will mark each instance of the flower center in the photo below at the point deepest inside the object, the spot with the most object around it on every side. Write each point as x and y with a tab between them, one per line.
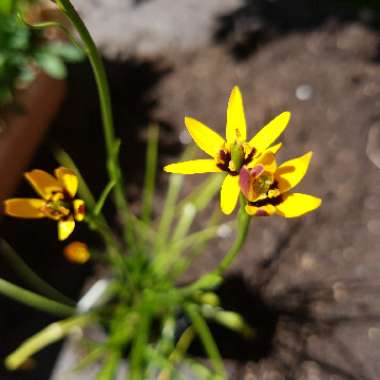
56	208
232	157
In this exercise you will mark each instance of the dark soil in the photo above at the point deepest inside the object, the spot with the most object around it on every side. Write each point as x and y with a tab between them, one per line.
317	276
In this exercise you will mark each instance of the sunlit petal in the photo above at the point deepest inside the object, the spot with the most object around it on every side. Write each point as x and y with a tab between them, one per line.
297	204
270	133
24	207
68	180
236	125
65	228
206	139
291	172
193	167
44	183
275	148
229	194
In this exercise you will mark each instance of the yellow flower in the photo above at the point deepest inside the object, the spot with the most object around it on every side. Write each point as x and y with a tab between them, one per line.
77	252
267	186
57	200
232	154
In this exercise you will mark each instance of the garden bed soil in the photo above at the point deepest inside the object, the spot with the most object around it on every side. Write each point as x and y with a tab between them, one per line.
318	275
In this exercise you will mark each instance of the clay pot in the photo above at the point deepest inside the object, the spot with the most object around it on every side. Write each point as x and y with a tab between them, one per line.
21	133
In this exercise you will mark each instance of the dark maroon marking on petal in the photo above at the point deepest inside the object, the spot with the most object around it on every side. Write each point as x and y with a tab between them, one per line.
268	201
250	156
274	185
225	158
66	195
82	209
261	213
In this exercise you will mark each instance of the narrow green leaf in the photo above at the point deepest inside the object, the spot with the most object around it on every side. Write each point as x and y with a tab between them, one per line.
34	300
50	334
201	328
150	171
103	197
29	276
110	367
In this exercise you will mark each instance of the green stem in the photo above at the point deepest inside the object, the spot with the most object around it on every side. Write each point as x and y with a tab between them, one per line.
34	300
110	367
150	172
244	221
106	111
201	328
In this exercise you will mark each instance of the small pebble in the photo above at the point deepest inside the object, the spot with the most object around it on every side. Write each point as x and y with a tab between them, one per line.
304	92
374	333
224	231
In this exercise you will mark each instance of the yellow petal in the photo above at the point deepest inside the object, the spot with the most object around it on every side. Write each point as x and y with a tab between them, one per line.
266	210
275	148
229	194
68	180
65	228
79	209
24	207
206	139
270	133
236	125
267	159
77	252
291	172
44	183
193	167
297	204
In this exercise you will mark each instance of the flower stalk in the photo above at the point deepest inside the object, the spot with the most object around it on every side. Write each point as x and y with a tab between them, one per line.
243	223
106	112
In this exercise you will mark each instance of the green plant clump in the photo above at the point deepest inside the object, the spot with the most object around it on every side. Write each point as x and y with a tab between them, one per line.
23	49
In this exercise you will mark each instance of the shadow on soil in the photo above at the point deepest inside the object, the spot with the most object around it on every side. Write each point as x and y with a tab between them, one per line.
292	311
77	129
257	22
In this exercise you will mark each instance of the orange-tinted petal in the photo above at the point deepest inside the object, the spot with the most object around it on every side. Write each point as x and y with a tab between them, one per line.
229	194
268	160
270	133
291	172
68	180
28	208
44	183
65	228
236	128
297	204
77	252
193	167
206	139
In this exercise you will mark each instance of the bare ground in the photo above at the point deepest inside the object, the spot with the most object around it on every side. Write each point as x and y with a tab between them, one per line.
318	275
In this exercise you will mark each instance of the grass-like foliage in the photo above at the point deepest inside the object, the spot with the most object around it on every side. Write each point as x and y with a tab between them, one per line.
139	303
